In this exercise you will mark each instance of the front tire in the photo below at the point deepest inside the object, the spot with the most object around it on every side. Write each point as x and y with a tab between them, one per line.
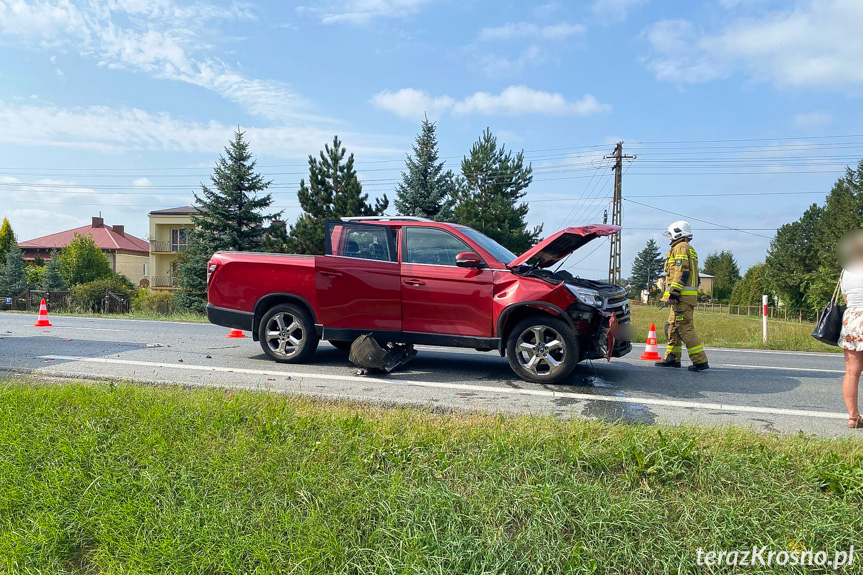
542	349
287	334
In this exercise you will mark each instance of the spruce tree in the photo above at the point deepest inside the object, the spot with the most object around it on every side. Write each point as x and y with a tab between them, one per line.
231	212
12	278
647	267
7	239
333	191
277	240
192	272
52	280
487	198
230	217
427	189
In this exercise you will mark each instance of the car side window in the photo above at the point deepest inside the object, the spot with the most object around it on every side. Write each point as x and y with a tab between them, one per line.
366	242
432	246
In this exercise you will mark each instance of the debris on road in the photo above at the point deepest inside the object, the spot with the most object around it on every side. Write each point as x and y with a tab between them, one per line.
368	355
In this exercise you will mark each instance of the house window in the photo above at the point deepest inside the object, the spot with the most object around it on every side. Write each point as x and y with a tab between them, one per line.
179	240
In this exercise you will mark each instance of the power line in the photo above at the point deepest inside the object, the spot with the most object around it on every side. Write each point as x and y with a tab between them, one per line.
741	230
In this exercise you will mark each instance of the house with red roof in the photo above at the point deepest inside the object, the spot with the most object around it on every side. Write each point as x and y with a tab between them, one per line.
128	255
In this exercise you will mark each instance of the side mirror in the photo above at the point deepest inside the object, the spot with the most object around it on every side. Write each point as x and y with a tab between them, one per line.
468	260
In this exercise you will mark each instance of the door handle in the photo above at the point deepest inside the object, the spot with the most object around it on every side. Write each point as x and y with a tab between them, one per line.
415	282
330	274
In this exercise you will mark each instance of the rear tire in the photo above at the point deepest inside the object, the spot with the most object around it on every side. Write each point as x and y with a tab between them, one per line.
341	345
542	349
287	334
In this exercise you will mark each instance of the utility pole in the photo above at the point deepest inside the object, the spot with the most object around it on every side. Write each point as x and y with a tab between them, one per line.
616	213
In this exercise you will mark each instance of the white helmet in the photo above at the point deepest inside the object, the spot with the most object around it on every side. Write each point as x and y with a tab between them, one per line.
678	229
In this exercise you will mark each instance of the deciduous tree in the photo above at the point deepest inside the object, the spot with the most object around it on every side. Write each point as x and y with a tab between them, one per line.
82	261
751	287
723	267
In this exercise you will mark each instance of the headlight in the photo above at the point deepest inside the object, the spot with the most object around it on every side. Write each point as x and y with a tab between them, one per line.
585	295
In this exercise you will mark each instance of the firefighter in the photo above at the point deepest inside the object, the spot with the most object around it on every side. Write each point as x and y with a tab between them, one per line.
681	294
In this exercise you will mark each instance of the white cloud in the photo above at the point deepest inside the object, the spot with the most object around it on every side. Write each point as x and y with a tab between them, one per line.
411	103
514	30
362	11
142	183
497	66
816	44
674	59
513	101
813	120
615	9
114	130
157	37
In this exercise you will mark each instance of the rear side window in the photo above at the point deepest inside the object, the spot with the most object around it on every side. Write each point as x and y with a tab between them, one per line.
367	242
431	246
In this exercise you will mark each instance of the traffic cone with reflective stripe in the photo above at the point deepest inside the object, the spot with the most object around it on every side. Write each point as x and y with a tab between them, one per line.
43	315
236	333
651	352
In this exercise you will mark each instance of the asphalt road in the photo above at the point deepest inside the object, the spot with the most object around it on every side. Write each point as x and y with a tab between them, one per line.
782	391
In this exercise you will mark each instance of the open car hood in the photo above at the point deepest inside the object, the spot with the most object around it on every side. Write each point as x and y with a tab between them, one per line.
559	245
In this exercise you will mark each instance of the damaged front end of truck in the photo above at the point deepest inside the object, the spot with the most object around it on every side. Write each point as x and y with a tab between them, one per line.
600	311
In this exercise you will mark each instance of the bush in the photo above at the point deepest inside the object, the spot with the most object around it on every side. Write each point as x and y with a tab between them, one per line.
90	296
154	301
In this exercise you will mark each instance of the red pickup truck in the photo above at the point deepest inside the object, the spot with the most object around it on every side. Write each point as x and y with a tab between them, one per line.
416	281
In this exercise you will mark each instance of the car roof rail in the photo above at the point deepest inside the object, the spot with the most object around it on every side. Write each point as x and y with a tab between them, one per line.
384	219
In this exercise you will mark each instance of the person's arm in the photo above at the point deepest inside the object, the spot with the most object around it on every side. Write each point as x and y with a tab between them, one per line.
679	275
842	287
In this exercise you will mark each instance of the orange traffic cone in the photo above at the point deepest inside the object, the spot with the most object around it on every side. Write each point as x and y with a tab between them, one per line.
236	333
43	315
651	352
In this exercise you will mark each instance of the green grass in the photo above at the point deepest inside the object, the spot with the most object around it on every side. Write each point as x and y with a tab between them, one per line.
107	478
184	316
736	331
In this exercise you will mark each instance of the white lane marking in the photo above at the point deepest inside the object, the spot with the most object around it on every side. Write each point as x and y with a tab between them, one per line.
780	368
88	328
463	387
836	355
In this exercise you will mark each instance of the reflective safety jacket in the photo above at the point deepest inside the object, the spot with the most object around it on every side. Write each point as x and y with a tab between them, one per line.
681	272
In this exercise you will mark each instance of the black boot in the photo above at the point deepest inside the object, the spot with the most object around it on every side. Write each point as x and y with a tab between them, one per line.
698	366
669	361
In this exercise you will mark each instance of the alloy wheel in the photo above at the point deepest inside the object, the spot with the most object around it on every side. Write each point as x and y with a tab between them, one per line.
285	334
541	350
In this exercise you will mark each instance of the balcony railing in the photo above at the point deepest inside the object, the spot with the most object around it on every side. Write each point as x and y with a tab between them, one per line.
158	246
163	281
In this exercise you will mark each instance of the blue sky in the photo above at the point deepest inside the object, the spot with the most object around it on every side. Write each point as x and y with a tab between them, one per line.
123	106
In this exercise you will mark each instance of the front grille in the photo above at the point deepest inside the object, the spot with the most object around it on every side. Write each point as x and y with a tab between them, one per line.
619	306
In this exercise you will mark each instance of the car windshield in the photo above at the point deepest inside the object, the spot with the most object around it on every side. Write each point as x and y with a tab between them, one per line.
497	251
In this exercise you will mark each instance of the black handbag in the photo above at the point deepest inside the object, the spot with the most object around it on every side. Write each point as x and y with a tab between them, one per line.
829	325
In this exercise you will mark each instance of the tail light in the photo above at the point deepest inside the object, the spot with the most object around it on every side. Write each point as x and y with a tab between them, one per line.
211	269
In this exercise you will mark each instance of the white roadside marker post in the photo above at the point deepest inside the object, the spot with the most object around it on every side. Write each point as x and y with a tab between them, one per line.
764	316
